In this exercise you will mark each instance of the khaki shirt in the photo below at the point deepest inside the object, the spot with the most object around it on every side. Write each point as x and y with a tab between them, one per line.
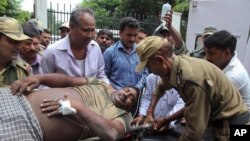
17	69
96	95
206	91
198	53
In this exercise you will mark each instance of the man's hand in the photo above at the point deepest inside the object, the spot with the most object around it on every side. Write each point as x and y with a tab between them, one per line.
51	107
24	86
149	119
161	124
138	120
168	19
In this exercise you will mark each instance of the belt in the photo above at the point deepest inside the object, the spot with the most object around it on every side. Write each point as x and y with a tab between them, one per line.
240	119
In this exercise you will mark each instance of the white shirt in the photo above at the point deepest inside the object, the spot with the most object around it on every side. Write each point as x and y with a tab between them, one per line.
238	75
168	104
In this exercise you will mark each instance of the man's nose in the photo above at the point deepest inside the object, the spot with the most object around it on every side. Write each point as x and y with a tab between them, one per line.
132	38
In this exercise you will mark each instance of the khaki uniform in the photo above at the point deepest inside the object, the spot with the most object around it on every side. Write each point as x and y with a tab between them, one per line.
208	94
16	70
96	95
198	53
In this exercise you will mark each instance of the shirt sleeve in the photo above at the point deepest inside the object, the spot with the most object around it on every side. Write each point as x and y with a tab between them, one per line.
100	72
140	84
179	104
146	97
162	87
107	59
47	65
125	119
197	112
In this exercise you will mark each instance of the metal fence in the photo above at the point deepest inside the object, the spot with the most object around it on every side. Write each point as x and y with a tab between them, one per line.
57	16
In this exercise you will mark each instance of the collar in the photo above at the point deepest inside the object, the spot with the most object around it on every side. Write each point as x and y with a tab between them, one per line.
121	46
37	61
232	62
65	45
11	64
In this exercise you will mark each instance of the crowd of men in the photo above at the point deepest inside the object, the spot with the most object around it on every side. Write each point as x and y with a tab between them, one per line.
86	85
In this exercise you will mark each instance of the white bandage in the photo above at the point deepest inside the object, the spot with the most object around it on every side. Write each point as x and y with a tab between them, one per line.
66	108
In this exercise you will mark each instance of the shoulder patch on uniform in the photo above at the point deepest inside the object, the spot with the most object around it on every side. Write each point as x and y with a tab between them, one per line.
22	64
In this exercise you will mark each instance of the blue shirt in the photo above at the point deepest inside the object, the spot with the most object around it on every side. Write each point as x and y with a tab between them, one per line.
120	67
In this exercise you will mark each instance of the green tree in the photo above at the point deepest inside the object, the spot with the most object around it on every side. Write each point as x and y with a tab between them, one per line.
3	4
102	7
182	6
12	8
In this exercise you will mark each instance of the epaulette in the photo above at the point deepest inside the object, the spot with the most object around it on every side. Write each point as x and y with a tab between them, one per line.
22	64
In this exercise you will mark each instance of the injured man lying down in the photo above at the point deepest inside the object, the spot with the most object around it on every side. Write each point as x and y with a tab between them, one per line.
79	108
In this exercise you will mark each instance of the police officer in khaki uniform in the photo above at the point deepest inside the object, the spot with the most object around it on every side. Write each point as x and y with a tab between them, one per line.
210	98
200	52
11	68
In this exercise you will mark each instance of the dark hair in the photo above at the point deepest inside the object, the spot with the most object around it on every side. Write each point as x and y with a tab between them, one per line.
105	32
75	15
221	40
129	22
135	88
142	30
47	31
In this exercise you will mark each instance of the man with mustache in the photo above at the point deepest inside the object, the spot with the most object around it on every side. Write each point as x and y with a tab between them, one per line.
210	98
11	68
121	58
98	110
77	54
29	48
104	39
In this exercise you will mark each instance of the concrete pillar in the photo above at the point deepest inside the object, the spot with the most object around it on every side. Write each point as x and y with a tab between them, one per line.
41	11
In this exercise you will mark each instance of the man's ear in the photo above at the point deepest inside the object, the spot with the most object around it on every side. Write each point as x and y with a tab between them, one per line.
228	52
159	59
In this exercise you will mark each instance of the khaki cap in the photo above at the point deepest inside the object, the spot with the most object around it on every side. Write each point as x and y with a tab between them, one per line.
64	25
11	28
146	48
209	30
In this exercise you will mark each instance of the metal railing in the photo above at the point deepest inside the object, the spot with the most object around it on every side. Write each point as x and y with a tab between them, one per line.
110	21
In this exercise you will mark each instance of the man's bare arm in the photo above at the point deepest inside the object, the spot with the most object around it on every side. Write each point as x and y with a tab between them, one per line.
103	128
51	80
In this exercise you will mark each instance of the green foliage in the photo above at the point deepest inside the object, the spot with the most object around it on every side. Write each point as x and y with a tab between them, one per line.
102	7
182	6
3	4
146	11
12	8
144	7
